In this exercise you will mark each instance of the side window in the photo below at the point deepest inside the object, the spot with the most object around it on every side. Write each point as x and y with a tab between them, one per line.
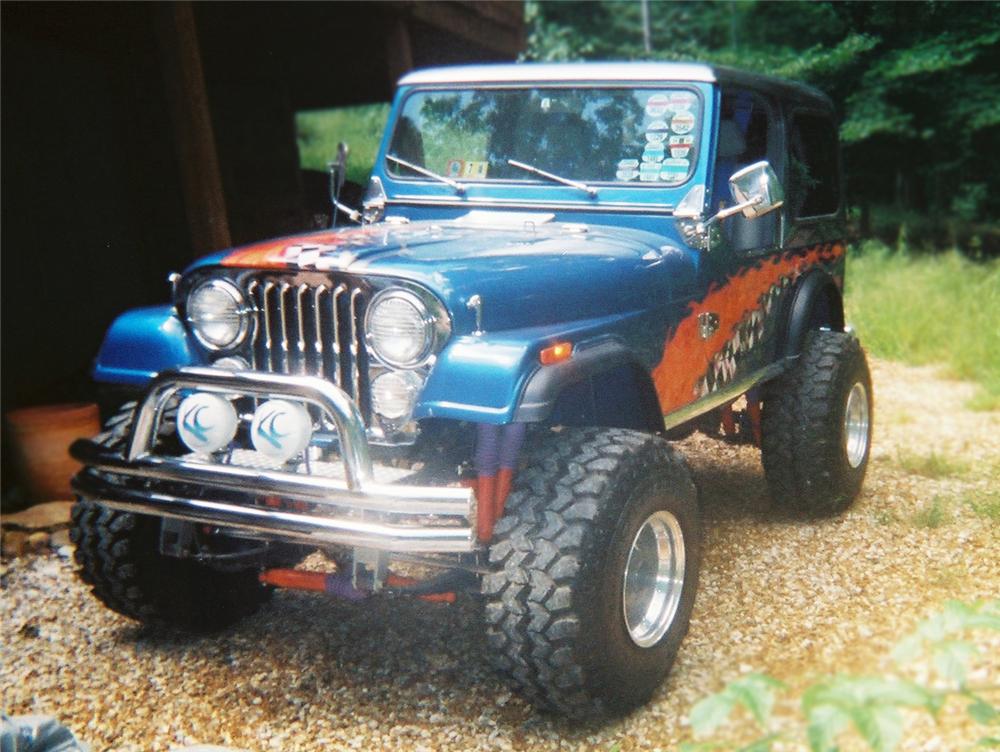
746	135
813	176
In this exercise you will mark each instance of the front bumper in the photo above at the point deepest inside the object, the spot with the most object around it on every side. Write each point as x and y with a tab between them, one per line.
356	510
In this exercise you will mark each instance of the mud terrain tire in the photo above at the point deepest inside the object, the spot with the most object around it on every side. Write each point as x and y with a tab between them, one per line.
119	557
555	604
814	460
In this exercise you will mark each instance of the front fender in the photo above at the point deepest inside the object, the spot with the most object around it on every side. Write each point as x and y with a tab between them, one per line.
141	343
497	378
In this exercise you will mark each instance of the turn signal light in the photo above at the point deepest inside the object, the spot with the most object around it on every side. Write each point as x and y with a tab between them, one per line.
556	353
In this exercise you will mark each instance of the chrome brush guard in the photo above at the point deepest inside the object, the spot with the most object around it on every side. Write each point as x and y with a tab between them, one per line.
357	510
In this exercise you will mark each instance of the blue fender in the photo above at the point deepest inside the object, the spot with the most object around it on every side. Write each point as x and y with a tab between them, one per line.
501	379
488	372
142	342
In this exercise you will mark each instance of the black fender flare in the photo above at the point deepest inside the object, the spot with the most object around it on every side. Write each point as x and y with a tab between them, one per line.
816	302
544	386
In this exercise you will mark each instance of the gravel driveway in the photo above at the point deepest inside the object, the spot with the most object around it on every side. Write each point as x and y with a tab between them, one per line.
791	598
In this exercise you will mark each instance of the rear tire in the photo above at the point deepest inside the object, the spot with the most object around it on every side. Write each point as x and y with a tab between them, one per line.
817	426
575	614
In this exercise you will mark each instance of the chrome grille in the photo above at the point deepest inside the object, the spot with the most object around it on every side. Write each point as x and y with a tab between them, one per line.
315	329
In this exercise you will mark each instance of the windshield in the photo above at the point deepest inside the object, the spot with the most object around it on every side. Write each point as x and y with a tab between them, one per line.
593	135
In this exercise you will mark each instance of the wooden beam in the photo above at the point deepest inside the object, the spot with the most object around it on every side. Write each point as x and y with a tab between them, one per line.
494	25
191	118
398	49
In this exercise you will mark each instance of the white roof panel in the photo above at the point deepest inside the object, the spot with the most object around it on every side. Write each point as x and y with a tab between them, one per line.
558	72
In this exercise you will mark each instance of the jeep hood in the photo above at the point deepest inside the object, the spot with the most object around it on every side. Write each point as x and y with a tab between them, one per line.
526	273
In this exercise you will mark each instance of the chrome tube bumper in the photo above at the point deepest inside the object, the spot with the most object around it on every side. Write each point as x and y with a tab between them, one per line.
357	511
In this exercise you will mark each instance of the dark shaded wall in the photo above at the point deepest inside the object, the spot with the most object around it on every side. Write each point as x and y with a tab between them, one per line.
93	216
94	194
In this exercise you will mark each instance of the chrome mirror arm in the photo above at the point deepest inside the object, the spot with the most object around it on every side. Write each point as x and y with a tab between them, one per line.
730	211
352	214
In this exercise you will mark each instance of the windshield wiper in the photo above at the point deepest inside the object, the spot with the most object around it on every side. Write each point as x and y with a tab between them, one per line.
591	191
459	188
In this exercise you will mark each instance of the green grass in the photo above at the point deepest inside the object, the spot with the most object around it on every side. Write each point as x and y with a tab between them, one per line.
933	514
361	126
932	465
937	309
985	504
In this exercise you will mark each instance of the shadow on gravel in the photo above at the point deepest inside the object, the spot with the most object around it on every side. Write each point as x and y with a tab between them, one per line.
731	487
389	657
401	660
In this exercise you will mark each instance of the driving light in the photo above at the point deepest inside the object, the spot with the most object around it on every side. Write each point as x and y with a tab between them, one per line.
217	314
281	429
400	329
394	393
232	363
206	422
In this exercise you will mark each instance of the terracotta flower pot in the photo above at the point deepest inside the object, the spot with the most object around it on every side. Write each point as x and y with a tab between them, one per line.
40	438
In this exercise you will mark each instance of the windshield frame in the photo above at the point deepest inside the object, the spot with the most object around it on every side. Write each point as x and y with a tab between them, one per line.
611	186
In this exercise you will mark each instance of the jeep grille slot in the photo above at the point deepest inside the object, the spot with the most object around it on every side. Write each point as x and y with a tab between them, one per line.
301	328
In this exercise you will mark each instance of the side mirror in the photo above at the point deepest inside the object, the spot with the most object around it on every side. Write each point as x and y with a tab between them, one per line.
757	190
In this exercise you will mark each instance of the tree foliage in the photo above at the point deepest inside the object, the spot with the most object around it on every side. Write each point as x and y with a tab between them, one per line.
917	84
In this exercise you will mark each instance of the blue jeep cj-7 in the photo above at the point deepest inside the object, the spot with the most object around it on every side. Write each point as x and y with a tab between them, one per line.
557	270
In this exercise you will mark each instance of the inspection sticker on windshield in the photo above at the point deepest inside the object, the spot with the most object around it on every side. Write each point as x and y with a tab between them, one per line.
682	122
476	170
628	173
657	105
462	168
674	170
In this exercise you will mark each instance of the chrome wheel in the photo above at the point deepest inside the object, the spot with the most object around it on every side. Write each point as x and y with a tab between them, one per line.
654	578
856	425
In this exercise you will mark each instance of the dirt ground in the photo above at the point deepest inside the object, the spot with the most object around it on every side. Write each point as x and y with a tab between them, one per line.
792	598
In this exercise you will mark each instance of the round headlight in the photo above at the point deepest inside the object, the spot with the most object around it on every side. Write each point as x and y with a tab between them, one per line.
217	314
394	393
400	328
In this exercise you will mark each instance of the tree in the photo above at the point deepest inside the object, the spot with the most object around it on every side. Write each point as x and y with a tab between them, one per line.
917	84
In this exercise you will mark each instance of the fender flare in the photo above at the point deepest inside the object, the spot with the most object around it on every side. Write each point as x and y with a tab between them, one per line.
816	302
546	384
